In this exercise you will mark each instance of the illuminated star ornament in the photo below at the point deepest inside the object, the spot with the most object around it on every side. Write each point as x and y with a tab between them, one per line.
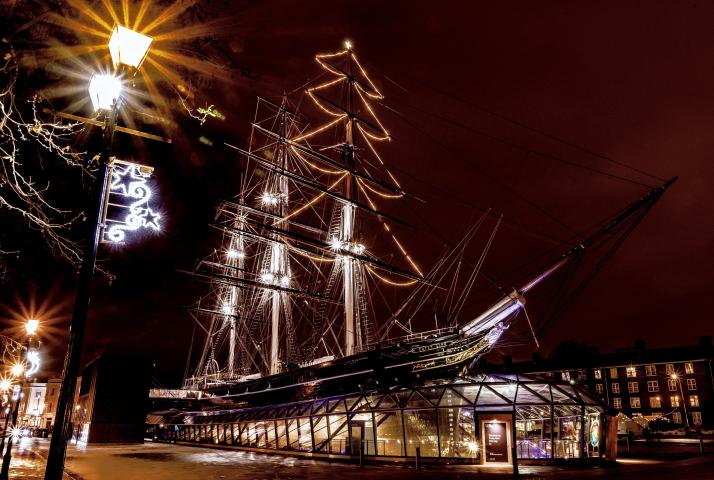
127	207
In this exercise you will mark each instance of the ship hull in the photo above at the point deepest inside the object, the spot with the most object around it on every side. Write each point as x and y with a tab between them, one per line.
403	363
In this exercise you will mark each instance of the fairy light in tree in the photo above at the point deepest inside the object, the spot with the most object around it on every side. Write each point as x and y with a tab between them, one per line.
128	202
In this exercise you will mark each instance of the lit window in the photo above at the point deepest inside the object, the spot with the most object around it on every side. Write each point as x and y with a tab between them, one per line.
613	372
565	376
633	387
655	402
652	386
650	370
598	388
691	384
677	417
582	376
615	388
617	403
672	385
694	400
669	369
697	418
598	374
635	402
689	367
674	399
631	371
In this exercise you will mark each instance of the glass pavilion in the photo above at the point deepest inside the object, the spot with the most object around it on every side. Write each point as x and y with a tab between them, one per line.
444	419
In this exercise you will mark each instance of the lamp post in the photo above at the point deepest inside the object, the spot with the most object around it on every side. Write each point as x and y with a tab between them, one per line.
128	50
674	376
6	386
20	370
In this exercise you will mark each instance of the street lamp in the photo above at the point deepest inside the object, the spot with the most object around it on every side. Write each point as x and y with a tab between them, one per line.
104	91
128	50
19	370
5	387
674	376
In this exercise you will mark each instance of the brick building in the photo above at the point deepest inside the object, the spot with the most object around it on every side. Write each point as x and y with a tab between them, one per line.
674	385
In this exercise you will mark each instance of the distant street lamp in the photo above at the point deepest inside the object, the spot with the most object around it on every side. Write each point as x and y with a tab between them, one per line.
20	371
674	376
5	388
128	50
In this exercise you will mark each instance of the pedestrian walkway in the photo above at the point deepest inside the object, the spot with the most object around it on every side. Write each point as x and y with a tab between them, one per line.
155	461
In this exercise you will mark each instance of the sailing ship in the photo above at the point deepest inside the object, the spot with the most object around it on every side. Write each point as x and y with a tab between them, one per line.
288	314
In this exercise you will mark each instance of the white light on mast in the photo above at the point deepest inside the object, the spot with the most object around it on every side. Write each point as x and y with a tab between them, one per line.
104	90
128	47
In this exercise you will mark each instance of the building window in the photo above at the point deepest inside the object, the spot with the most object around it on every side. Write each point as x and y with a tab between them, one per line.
689	367
613	372
697	418
669	368
615	388
691	384
655	402
633	387
617	403
631	371
677	417
582	376
598	388
672	385
650	370
694	400
598	374
652	386
635	402
565	376
674	399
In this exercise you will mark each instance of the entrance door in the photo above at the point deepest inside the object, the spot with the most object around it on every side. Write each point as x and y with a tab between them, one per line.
357	432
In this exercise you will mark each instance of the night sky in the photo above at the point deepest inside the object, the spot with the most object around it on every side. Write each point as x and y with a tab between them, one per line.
631	82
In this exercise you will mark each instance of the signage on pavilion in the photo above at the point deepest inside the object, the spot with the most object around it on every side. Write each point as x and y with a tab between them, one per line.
128	202
496	442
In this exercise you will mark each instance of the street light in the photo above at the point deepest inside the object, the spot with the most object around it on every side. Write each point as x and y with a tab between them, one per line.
19	370
31	326
674	376
5	387
128	50
104	91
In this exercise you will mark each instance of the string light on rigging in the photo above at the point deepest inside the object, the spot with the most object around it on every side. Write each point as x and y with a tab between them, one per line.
232	253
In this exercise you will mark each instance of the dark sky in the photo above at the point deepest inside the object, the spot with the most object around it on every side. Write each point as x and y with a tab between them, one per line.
632	82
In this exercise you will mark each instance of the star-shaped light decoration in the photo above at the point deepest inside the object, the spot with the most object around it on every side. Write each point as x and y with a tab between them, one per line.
127	203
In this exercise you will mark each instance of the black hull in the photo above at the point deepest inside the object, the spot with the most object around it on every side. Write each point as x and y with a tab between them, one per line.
400	364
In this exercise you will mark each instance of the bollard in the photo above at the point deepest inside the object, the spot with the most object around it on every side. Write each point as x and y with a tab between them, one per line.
701	444
628	443
418	458
361	455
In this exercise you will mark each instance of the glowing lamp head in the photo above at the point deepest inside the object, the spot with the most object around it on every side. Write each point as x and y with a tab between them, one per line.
285	280
5	385
267	277
31	326
335	243
227	309
473	447
17	369
348	44
673	376
128	47
104	90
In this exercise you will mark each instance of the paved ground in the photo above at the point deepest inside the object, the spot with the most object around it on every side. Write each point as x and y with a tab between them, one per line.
171	462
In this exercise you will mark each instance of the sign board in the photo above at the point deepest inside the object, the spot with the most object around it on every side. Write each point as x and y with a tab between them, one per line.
496	442
127	206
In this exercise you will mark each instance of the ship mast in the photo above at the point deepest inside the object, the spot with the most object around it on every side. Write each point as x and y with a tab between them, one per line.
347	220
